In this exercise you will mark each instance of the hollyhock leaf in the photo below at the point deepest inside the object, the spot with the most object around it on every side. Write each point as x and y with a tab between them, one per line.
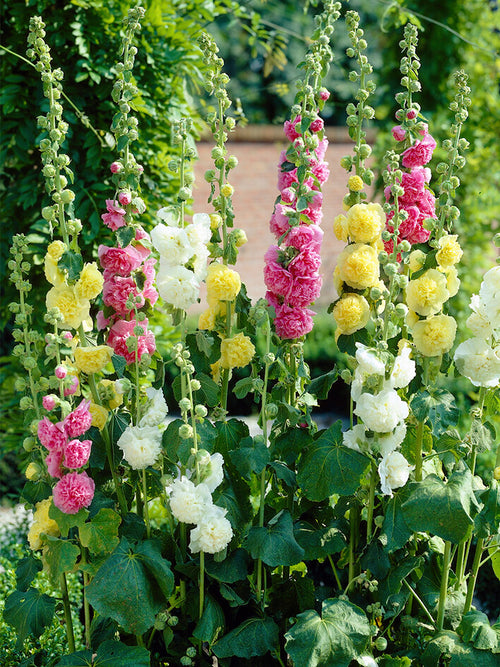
284	473
243	387
67	521
255	636
119	364
327	467
149	553
233	568
60	556
110	653
293	595
233	497
487	521
29	612
205	343
211	623
395	532
391	592
209	388
275	544
287	166
102	629
121	143
33	492
251	457
125	235
321	385
229	435
376	560
458	654
71	262
26	571
475	629
318	542
291	443
442	508
101	534
439	406
335	638
171	440
302	204
124	590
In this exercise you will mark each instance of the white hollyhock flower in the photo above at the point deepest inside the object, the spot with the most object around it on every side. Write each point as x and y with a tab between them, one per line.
172	243
156	410
211	470
489	293
189	503
381	412
199	232
394	471
388	442
212	534
141	446
368	361
177	285
404	369
476	360
354	437
169	217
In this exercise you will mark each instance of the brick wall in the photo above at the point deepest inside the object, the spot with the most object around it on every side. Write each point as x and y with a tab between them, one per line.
255	183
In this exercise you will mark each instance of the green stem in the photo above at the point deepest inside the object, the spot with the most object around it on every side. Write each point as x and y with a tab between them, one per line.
334	570
353	542
202	582
444	586
418	451
460	565
473	575
183	553
67	614
145	505
86	606
371	502
420	602
116	481
27	347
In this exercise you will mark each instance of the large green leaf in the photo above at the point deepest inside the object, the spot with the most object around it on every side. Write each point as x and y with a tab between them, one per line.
101	534
255	636
26	571
60	556
327	467
448	644
109	654
233	568
211	623
439	406
475	629
340	635
275	544
487	521
149	553
229	435
251	457
291	443
126	587
67	521
318	542
395	532
29	612
442	508
321	385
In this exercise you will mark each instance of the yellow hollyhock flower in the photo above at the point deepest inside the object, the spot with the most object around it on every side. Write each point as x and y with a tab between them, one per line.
365	222
449	252
56	250
90	283
340	227
42	523
435	335
426	295
359	266
351	312
73	310
223	284
92	359
236	352
99	415
54	276
108	394
355	183
206	321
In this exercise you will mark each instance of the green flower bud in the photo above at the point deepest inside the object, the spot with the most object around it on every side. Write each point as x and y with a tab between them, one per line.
184	404
29	444
185	431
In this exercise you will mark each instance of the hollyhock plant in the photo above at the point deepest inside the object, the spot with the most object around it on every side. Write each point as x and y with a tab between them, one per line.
73	492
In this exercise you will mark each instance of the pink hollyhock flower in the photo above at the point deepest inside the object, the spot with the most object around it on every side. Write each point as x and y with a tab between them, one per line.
305	290
288	195
114	218
71	385
141	234
60	372
49	402
52	436
77	453
305	236
324	94
274	300
73	492
53	461
398	132
276	277
289	128
121	261
321	171
292	323
279	222
122	330
78	421
125	198
68	335
286	178
413	184
426	203
320	151
101	321
116	167
314	215
424	129
306	263
317	125
117	291
419	153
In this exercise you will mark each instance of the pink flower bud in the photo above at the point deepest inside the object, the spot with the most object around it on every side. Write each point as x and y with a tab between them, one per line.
71	389
124	198
68	335
324	94
140	168
288	195
61	372
411	114
49	402
398	133
116	167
